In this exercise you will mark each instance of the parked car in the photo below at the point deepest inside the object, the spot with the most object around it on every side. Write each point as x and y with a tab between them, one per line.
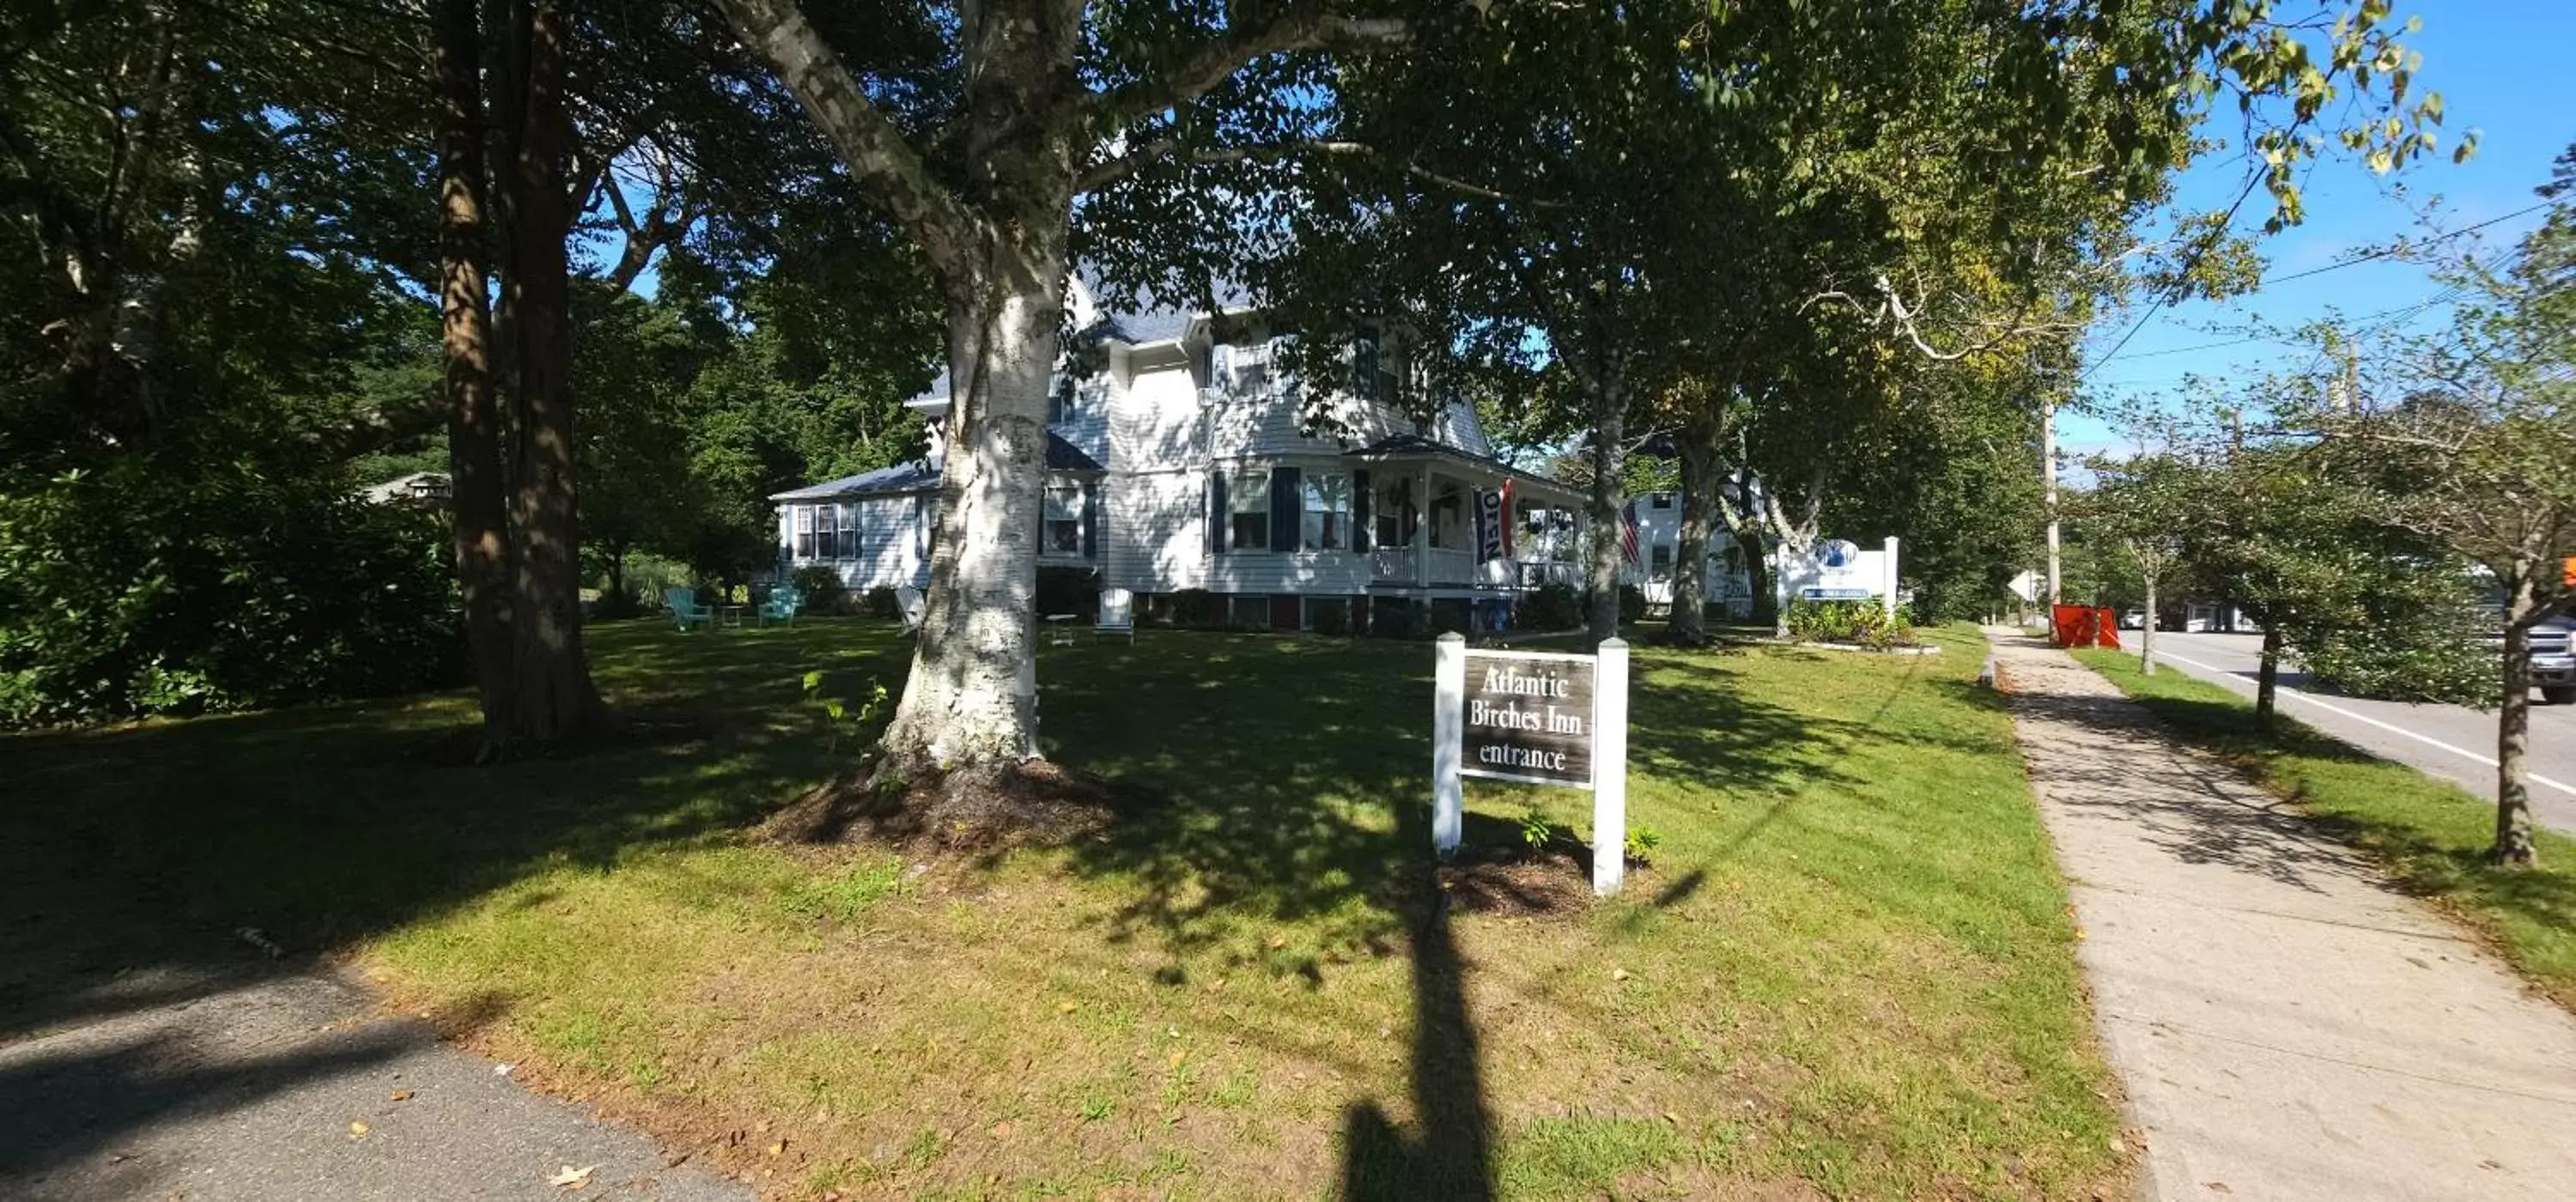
2135	619
2553	660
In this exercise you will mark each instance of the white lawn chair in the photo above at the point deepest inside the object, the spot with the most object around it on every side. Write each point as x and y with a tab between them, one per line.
1117	613
909	603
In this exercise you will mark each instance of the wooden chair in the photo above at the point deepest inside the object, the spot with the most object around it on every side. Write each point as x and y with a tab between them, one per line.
685	610
1117	613
781	606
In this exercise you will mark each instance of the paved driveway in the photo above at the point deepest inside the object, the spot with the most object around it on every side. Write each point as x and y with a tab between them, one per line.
2447	741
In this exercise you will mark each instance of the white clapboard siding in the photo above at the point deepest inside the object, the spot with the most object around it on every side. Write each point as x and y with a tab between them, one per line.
1086	419
1157	423
1157	536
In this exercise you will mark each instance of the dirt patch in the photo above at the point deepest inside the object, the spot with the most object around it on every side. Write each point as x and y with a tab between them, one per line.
1554	881
1037	802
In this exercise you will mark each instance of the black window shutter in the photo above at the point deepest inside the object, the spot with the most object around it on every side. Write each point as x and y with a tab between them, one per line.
1216	512
1091	520
1287	505
1360	530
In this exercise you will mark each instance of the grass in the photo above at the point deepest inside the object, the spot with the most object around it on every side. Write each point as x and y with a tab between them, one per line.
2432	835
1849	971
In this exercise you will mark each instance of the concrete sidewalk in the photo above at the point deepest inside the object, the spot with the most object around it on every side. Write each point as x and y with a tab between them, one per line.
2286	1025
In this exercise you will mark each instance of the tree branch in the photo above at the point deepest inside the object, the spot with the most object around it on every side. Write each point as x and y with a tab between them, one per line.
1300	27
1106	173
868	142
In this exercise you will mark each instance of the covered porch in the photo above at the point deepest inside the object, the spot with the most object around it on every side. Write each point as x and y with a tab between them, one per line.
1422	506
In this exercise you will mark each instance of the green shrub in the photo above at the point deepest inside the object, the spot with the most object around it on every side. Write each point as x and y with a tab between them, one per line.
1554	607
819	588
1451	615
1632	604
1333	621
1198	609
881	603
1864	623
156	588
2421	665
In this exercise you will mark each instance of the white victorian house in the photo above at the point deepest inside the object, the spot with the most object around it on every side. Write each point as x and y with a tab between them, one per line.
1181	465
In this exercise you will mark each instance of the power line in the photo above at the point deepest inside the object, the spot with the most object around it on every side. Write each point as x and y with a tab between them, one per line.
2197	252
2181	278
2387	251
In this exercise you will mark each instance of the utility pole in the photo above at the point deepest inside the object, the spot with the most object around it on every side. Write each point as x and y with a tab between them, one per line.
2048	466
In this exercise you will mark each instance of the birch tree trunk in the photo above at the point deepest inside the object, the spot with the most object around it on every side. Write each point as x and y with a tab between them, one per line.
1609	470
1701	435
969	705
477	502
554	699
2514	847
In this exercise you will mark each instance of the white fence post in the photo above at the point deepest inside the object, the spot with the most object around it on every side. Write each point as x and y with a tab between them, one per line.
1609	767
1448	701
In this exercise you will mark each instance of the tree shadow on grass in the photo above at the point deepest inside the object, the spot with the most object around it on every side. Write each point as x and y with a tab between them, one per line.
130	857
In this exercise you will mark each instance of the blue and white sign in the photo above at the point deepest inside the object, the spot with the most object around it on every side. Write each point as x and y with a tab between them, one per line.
1838	570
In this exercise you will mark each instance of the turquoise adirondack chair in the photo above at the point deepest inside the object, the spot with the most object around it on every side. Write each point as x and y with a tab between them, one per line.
685	609
783	602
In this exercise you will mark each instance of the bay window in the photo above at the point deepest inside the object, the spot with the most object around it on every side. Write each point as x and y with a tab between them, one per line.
1328	512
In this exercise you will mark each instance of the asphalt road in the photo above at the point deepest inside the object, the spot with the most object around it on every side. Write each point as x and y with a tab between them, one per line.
2447	741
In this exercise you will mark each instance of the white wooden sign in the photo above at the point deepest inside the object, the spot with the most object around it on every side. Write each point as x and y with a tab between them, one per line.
1538	718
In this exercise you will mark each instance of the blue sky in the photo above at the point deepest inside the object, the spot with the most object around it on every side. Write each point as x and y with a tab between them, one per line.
2502	67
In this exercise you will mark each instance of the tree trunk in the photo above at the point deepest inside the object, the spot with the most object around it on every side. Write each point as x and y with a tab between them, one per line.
1757	575
971	703
2267	686
477	502
1609	469
1700	437
2513	839
554	699
2147	632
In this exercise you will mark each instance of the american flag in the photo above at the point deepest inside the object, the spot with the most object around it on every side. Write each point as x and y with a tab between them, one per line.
1628	532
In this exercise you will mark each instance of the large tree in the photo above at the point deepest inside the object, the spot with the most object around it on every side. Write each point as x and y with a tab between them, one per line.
1027	105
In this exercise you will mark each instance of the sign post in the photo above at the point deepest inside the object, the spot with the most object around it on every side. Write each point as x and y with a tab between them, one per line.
1538	718
1610	769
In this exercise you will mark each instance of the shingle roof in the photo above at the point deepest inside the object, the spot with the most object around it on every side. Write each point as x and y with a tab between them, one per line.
921	475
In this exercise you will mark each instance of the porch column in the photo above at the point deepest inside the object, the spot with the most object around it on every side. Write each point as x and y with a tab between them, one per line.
1422	530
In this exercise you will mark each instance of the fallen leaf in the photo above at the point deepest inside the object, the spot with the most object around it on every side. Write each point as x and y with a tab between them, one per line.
1002	1130
2217	1187
572	1178
501	1070
1618	974
776	1148
1174	1060
402	1095
1278	941
357	1130
1068	1007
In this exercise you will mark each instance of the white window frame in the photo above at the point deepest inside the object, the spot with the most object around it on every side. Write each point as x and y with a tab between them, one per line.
1072	517
1247	495
804	517
1659	559
1324	514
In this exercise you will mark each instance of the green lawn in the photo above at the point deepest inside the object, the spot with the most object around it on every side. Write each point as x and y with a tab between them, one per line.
1850	969
2433	835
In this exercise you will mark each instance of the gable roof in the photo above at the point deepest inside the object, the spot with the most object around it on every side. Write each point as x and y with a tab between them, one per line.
921	475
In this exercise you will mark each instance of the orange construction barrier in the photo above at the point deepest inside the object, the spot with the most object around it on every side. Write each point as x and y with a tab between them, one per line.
2084	626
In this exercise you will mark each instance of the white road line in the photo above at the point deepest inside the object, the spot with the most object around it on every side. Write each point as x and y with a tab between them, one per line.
2427	740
